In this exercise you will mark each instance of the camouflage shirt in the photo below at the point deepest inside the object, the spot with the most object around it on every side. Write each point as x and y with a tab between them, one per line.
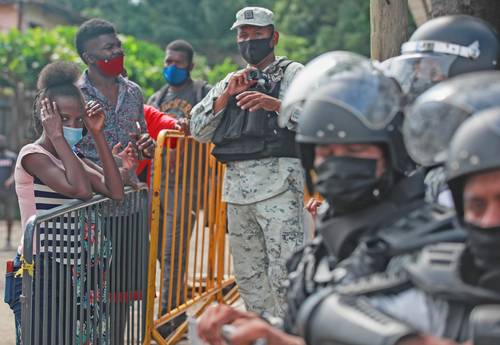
250	181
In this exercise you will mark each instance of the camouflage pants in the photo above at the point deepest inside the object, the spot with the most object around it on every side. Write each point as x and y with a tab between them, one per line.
263	235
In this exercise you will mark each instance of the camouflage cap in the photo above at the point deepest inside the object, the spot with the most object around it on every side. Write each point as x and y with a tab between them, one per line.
257	16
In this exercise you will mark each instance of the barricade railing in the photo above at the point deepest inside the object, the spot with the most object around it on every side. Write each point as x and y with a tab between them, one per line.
84	272
189	264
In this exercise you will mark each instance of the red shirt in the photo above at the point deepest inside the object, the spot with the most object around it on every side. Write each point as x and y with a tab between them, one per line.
155	122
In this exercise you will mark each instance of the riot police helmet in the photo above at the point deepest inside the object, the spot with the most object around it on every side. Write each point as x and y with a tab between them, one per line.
435	115
350	103
473	150
442	48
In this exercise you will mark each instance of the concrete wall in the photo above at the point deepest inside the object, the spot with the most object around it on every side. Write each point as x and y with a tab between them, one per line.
33	15
8	17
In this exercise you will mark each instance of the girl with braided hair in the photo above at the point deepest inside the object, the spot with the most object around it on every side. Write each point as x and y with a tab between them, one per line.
48	172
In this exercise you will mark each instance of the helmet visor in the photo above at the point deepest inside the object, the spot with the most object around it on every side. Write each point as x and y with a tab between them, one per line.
370	97
318	73
418	72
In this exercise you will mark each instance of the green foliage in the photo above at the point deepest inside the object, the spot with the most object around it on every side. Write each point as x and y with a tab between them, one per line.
293	47
307	28
327	25
23	55
204	23
144	64
218	72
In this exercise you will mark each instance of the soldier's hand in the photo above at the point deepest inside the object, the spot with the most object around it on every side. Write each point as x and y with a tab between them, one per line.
212	320
239	83
313	205
254	100
247	331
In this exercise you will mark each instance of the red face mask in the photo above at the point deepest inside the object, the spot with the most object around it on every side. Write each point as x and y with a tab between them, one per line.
112	67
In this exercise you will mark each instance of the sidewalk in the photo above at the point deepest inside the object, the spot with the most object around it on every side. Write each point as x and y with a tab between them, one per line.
7	324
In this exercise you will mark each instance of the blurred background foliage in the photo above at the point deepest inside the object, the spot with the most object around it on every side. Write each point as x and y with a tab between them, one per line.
307	28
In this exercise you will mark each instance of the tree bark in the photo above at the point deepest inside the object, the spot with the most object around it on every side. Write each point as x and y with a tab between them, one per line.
389	27
488	10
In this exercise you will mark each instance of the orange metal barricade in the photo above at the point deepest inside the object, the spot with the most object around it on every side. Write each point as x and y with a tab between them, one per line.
188	219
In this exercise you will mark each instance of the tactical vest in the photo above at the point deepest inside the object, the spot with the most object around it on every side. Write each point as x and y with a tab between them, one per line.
243	135
439	273
397	227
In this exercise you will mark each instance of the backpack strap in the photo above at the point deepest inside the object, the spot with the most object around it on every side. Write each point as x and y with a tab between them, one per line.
199	86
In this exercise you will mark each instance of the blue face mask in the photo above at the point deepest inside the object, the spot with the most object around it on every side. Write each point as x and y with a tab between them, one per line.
72	135
175	75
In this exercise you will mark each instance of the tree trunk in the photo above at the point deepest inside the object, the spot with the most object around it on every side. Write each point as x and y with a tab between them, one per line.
389	27
488	10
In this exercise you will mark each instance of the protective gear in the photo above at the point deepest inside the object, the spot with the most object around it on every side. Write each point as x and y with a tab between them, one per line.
245	135
335	113
442	48
175	75
447	270
485	325
424	225
471	151
348	183
112	67
433	118
417	72
484	244
254	51
327	318
72	135
317	73
341	234
442	272
397	225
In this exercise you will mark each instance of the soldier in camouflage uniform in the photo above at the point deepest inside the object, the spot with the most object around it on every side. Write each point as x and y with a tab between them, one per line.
264	180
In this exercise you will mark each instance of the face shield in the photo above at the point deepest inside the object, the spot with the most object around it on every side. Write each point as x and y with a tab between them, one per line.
370	99
433	118
316	74
425	63
418	72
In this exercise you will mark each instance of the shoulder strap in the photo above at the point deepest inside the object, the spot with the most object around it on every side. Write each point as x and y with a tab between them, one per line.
284	63
158	96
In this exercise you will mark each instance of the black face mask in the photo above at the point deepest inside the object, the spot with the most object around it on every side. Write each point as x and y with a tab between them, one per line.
348	183
484	244
254	51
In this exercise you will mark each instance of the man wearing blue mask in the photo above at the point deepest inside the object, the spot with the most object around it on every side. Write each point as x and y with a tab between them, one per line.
176	99
181	93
